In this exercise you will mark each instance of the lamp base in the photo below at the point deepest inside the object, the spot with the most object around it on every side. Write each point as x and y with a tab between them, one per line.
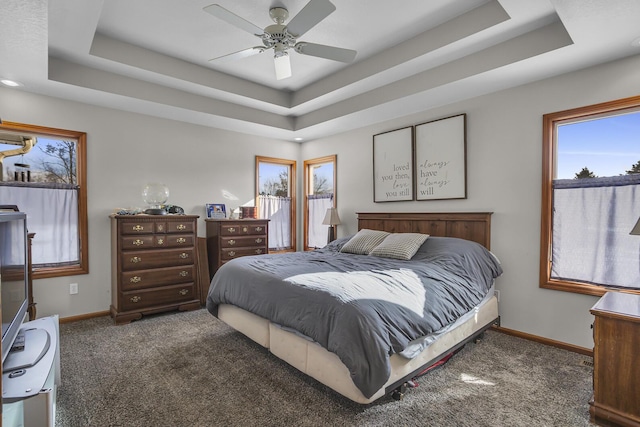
331	235
155	211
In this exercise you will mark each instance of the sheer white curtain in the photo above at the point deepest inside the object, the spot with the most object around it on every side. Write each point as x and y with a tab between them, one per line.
278	211
318	205
591	223
52	213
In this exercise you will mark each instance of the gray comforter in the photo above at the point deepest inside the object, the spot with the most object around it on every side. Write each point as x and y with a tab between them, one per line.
362	308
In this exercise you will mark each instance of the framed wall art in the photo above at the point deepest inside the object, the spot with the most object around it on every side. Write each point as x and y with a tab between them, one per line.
441	159
393	165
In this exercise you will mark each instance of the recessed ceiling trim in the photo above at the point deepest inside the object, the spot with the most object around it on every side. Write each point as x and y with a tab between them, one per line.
138	57
78	75
543	40
472	22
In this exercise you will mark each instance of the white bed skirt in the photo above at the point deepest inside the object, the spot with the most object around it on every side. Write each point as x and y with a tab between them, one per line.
309	357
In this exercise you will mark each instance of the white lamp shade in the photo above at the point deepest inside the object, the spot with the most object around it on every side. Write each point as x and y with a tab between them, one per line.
636	229
331	217
283	66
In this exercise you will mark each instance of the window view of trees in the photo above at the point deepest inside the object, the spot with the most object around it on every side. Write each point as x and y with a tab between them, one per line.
49	160
590	198
276	185
321	185
586	173
275	200
48	180
320	194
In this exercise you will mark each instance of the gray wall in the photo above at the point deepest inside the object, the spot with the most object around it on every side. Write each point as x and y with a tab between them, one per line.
202	165
504	173
125	151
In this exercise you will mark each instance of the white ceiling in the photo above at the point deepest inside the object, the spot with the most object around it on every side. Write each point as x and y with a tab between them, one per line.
152	56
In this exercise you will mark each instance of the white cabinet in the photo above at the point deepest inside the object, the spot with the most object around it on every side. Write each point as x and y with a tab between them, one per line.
31	377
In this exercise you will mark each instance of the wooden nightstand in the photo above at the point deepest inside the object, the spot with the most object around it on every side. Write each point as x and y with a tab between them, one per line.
616	360
228	239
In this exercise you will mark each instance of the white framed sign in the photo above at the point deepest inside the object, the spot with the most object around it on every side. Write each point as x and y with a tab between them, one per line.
441	159
393	165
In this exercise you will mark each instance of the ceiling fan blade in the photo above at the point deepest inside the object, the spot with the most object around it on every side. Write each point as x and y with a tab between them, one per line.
327	52
233	19
313	12
283	66
239	55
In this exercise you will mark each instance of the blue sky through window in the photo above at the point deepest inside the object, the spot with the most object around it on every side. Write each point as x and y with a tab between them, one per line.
608	146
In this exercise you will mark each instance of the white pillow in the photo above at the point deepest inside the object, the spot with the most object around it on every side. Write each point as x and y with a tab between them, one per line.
364	241
400	245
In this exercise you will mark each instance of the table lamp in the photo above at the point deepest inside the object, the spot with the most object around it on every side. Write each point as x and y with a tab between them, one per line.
331	219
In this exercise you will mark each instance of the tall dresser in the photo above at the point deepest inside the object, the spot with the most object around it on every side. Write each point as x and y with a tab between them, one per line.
228	239
153	265
616	352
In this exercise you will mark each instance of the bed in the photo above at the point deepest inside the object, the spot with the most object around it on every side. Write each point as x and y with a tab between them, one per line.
355	317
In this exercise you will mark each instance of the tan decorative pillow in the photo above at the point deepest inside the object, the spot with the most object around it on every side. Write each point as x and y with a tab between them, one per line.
364	241
399	245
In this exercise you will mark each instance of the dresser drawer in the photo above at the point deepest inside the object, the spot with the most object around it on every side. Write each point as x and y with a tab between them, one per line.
228	254
139	260
137	227
156	297
140	279
177	241
157	241
141	242
180	227
243	241
238	229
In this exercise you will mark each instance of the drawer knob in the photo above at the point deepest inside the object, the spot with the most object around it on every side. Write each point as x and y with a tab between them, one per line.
181	227
232	253
183	292
258	251
135	279
161	241
183	273
136	259
258	240
160	227
245	229
184	255
232	229
181	240
138	227
135	298
138	242
258	228
232	242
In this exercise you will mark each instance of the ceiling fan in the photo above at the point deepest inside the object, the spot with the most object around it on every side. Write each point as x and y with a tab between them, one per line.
281	38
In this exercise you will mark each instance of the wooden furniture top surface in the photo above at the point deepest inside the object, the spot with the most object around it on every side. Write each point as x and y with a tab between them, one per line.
235	219
172	217
616	304
474	226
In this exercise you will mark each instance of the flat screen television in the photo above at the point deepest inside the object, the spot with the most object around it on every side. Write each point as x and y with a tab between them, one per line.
13	276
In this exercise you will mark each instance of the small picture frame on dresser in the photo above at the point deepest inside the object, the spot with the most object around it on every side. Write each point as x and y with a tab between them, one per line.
216	210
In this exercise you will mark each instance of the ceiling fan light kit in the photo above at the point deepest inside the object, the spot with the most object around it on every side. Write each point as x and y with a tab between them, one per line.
282	38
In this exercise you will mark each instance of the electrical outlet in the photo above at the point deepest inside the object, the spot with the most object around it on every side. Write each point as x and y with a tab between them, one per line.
73	288
497	294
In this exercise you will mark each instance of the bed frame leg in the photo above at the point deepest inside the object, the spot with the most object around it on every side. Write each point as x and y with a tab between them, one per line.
399	392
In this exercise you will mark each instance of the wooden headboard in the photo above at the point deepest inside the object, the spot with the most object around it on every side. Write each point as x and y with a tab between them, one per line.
475	226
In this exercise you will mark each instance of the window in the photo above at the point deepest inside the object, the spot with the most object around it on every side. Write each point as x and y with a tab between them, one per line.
43	172
320	194
275	199
591	198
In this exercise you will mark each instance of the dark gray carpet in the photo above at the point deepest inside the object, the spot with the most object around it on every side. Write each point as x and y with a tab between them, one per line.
190	369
